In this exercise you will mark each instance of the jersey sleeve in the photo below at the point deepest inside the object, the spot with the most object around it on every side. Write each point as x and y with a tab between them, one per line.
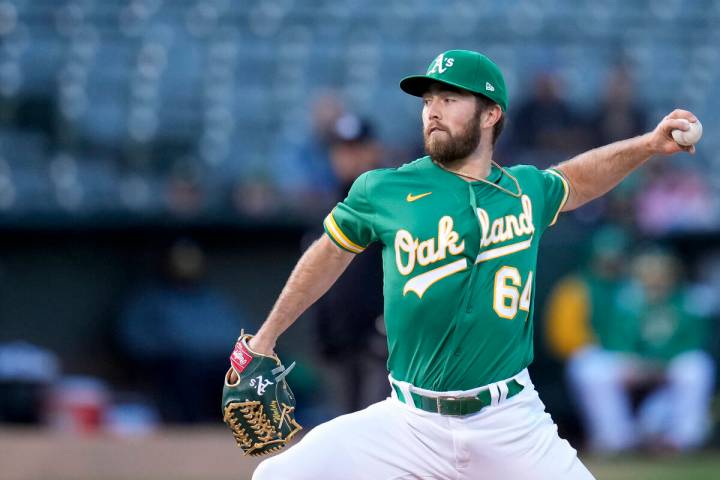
350	223
555	189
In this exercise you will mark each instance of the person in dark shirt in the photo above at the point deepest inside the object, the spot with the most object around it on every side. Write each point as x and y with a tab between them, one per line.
545	125
618	116
175	330
348	316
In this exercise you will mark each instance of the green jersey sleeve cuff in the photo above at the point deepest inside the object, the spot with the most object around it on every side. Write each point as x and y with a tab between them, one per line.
566	190
338	236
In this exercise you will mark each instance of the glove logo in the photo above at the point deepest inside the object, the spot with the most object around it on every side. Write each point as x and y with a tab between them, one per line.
240	358
260	384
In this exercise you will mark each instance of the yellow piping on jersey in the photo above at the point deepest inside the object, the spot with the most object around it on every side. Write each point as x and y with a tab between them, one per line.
338	235
566	187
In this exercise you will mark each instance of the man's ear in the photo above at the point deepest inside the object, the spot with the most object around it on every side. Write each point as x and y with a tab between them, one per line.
491	116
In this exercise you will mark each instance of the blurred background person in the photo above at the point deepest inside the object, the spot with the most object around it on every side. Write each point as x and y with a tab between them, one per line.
580	308
175	331
619	115
27	373
672	337
673	199
584	330
304	161
349	317
545	128
652	385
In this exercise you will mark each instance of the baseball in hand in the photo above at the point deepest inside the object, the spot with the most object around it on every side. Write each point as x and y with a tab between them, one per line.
688	137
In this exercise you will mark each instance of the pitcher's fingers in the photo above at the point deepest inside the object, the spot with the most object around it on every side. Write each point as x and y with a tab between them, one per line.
680	113
671	124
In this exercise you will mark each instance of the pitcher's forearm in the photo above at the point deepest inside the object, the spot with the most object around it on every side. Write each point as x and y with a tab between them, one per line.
316	271
596	172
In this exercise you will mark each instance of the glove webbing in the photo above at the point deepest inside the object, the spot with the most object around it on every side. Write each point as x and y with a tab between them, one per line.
283	372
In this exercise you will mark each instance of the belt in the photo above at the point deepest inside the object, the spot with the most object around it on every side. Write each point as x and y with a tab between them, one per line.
454	405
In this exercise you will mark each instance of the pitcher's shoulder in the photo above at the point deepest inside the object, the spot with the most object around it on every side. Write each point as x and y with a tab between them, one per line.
525	174
532	170
419	165
522	169
387	176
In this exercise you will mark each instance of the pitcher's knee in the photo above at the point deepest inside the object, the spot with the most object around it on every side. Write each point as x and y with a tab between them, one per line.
279	467
692	368
267	471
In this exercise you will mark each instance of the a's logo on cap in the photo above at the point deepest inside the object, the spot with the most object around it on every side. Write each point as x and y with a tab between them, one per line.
489	87
440	64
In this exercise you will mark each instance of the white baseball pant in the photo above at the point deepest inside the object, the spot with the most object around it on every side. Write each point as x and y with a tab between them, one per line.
389	440
678	411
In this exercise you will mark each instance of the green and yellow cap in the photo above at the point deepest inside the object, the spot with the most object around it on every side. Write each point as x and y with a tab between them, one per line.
465	69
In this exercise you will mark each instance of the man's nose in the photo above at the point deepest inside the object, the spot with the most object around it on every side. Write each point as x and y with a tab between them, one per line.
433	110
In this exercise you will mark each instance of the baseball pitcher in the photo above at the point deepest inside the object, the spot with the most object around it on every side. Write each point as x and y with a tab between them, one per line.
460	237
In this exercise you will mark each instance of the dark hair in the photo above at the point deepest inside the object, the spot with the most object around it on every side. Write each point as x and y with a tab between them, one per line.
485	103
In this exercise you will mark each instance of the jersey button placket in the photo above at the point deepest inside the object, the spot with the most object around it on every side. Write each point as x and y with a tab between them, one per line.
466	306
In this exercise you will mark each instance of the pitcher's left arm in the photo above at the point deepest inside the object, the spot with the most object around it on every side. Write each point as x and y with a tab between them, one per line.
597	171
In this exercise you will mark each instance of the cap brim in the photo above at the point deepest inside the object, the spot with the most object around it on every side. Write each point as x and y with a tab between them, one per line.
417	85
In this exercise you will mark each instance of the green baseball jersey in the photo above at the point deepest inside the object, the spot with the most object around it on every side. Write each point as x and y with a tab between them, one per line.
666	328
610	329
459	265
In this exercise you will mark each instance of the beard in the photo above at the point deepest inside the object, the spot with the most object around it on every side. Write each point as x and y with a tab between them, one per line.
445	148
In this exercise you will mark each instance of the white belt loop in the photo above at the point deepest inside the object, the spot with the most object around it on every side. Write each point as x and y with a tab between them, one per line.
503	391
405	389
494	394
523	378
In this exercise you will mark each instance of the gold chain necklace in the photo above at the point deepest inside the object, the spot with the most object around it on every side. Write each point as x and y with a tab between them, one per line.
463	174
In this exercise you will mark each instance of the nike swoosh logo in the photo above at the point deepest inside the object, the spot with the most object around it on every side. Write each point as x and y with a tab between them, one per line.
412	198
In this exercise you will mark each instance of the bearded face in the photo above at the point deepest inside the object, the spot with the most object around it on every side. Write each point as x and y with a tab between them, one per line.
446	146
